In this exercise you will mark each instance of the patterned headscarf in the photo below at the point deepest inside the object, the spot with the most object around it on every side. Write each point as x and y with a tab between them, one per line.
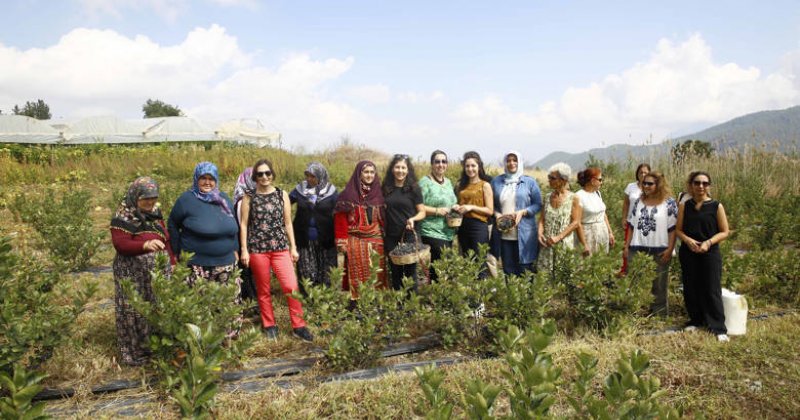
244	185
129	217
356	193
213	196
322	190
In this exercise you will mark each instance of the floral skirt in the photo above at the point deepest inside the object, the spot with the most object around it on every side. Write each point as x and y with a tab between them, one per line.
133	331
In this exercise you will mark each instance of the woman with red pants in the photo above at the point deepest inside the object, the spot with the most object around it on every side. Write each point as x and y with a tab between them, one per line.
268	242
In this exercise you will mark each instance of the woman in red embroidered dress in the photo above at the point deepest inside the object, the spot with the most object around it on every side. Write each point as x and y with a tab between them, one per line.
358	226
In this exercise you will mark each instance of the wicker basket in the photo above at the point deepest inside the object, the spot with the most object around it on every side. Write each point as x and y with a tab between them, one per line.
505	223
422	252
453	219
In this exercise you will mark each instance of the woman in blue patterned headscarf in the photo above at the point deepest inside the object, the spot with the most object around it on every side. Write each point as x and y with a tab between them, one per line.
201	222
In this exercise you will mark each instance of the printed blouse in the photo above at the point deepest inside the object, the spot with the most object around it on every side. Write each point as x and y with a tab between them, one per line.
651	225
266	228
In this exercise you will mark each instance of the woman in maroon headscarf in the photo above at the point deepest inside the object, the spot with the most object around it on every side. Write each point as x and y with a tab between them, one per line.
358	226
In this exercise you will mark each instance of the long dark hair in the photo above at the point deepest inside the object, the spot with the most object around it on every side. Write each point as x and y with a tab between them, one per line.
464	180
639	168
409	183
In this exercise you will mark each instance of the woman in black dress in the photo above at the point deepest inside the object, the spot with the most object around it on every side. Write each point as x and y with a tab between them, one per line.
702	225
404	208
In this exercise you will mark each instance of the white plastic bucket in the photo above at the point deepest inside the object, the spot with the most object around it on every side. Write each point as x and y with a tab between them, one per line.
735	307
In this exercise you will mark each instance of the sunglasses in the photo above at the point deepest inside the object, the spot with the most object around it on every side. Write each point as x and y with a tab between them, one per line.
440	161
701	183
552	178
648	183
401	156
599	179
259	174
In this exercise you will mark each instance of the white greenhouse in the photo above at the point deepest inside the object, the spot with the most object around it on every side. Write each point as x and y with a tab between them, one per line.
109	129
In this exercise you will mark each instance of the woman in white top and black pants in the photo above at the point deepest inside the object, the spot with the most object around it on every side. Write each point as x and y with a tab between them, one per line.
652	222
632	193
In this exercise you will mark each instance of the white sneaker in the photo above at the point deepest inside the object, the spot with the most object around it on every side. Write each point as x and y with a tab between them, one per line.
689	328
723	338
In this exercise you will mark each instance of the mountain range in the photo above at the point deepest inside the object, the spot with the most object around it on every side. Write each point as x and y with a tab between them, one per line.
779	129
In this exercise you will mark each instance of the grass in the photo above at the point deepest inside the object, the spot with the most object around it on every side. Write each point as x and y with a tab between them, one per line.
701	375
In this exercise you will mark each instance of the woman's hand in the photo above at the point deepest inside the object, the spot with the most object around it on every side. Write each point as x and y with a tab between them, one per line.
153	245
341	246
666	255
295	255
542	240
410	224
625	252
244	258
553	240
463	209
518	215
586	252
611	240
705	246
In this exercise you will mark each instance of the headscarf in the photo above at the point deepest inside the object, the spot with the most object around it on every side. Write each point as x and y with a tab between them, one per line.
129	217
322	190
356	193
244	185
213	196
511	180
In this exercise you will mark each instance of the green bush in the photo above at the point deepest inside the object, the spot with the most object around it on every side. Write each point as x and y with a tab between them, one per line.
64	223
595	295
189	329
770	276
627	392
21	387
358	333
453	306
37	309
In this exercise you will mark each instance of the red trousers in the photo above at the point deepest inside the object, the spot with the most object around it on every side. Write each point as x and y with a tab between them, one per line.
281	264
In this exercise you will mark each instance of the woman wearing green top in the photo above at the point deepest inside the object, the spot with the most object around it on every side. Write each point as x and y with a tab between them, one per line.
439	197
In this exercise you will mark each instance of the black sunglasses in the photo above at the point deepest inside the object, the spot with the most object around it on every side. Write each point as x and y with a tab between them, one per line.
400	156
444	161
701	183
552	178
263	173
648	183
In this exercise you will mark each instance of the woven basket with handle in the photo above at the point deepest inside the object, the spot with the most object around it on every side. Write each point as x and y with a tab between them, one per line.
421	252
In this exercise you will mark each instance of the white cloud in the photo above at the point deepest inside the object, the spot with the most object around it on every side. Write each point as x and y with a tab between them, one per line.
374	94
680	85
166	9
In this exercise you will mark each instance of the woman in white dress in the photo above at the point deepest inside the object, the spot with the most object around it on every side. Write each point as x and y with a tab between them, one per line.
594	220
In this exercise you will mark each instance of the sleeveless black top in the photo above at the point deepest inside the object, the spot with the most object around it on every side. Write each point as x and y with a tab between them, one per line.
701	224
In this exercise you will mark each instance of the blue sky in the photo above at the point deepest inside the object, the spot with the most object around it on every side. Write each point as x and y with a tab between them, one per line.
412	76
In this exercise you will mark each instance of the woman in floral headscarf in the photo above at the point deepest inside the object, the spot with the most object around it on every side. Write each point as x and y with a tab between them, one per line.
358	225
313	224
138	234
244	185
202	222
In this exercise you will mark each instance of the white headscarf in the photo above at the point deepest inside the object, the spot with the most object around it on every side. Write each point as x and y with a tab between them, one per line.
511	180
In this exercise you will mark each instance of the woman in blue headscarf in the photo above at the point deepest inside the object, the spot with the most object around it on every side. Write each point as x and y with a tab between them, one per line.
202	222
517	199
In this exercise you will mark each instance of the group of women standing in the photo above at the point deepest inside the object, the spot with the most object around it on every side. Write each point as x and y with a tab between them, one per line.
371	217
